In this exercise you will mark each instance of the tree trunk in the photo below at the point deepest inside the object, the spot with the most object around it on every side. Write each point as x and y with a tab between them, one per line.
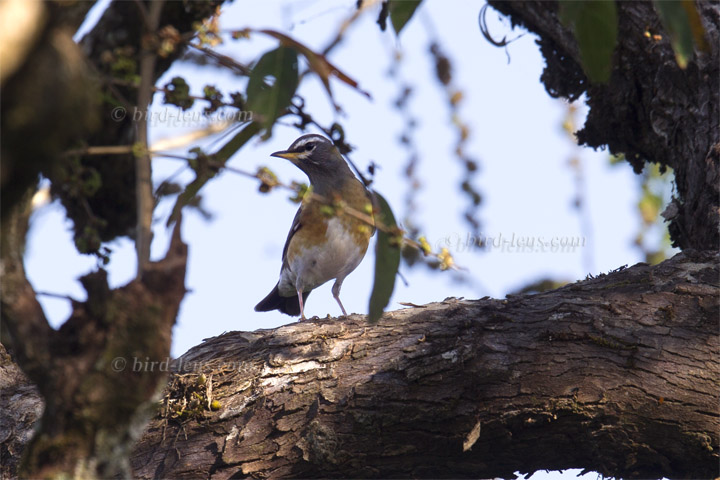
21	406
617	374
93	413
651	110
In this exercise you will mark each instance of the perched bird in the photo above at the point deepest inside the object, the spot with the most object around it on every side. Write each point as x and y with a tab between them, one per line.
320	247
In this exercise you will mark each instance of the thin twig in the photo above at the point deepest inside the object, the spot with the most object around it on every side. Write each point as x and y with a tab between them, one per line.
366	5
100	150
143	168
223	60
56	295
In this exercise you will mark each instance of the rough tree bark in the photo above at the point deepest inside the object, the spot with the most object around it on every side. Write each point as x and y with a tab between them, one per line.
651	110
617	374
92	415
595	372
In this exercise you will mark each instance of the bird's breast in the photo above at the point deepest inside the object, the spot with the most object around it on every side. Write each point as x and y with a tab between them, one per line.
323	254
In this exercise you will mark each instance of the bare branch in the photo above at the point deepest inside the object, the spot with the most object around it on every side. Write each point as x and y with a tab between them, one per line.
143	168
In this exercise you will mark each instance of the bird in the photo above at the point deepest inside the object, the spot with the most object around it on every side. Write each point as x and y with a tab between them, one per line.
320	247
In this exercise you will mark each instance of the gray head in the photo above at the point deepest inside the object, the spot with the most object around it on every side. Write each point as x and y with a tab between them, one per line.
319	159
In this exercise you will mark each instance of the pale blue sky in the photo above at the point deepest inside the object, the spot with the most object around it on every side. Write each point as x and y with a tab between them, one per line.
516	134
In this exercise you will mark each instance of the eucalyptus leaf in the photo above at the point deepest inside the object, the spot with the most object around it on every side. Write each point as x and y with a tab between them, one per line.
676	20
401	11
596	27
272	85
387	261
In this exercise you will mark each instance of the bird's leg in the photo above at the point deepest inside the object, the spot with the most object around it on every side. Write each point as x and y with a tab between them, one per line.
302	307
336	295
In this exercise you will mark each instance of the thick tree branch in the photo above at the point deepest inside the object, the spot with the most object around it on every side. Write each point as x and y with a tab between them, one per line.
617	374
94	408
92	411
72	367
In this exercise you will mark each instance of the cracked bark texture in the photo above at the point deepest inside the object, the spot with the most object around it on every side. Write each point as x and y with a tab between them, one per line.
22	406
92	414
651	110
617	374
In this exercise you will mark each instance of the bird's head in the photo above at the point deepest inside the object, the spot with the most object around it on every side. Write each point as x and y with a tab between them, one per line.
318	158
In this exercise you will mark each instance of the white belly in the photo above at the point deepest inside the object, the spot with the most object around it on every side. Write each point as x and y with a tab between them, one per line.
339	256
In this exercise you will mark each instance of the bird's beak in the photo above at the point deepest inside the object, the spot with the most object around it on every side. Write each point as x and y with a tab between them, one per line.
285	154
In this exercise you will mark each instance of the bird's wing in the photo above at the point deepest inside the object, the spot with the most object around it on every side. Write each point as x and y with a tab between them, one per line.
293	230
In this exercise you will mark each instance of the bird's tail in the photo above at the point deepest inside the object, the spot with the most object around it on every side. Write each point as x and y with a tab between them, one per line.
287	305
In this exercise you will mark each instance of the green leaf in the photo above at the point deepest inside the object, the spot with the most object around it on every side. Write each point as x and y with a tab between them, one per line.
317	63
595	25
401	11
269	100
387	261
675	16
203	175
696	26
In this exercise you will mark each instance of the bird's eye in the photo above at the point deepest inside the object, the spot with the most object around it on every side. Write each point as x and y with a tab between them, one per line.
309	146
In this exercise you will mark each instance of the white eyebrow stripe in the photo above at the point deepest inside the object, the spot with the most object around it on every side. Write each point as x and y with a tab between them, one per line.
305	140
